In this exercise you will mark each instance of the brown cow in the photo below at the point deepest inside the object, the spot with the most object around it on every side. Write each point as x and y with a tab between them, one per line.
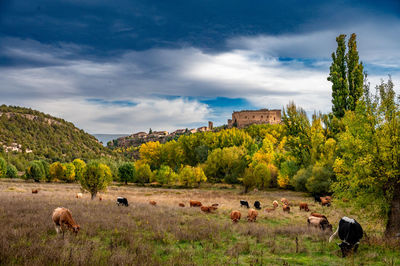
275	204
213	208
206	209
285	201
181	205
63	220
35	191
286	208
235	216
304	206
325	202
316	214
152	202
100	198
252	215
319	222
195	203
328	198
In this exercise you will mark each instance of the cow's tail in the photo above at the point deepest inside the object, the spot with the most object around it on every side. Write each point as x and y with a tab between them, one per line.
333	235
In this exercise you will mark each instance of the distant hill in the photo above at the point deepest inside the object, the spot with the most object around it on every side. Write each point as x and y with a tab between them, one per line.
26	134
104	138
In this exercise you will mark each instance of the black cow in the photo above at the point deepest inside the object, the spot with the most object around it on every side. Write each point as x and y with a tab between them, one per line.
244	203
123	201
350	232
257	205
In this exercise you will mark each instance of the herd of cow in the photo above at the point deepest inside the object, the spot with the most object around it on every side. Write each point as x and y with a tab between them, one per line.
349	230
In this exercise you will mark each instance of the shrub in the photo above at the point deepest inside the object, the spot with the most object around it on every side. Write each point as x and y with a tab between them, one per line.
3	167
300	179
165	175
320	180
11	171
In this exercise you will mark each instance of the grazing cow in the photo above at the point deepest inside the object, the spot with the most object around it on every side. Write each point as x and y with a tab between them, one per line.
275	204
319	222
195	203
285	201
205	209
215	205
252	215
213	208
235	216
244	203
35	191
304	206
317	197
350	232
316	214
257	205
181	205
152	202
286	208
100	198
79	195
123	201
325	202
62	219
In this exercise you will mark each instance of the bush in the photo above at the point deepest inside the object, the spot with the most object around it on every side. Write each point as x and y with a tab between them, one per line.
11	171
320	180
57	171
300	179
3	167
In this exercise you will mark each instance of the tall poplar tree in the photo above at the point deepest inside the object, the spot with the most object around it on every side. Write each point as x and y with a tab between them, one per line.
337	76
346	75
354	74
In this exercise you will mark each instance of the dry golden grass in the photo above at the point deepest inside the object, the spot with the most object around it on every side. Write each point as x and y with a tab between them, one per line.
142	234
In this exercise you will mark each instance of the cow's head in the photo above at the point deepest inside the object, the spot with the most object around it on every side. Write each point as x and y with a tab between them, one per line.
345	248
76	228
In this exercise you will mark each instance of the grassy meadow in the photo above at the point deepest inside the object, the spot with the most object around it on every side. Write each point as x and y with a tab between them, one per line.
167	234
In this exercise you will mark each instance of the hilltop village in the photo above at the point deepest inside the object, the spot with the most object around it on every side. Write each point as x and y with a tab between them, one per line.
240	119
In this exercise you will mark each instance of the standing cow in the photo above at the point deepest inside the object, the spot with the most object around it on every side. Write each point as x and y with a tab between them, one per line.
350	232
257	205
244	203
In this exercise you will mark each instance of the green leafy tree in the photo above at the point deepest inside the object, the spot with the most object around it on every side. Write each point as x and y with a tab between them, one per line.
165	175
69	173
143	172
226	164
367	168
96	178
57	171
35	171
355	75
11	171
126	172
191	176
3	167
79	168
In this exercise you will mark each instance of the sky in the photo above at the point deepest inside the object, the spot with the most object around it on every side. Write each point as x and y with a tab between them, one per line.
125	66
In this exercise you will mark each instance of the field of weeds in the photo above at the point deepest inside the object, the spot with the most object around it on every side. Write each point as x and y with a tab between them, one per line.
167	234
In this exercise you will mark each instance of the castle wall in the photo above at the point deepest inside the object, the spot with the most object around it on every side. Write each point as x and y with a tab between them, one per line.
249	117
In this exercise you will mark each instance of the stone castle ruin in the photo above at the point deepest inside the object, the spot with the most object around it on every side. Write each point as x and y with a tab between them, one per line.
245	118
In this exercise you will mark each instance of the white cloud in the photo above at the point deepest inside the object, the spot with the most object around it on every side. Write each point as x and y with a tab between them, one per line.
250	70
158	114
